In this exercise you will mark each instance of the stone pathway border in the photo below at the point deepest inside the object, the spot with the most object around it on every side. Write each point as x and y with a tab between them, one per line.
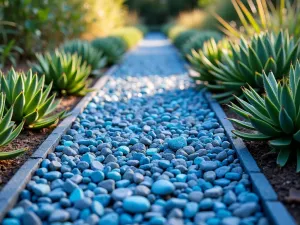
10	192
273	208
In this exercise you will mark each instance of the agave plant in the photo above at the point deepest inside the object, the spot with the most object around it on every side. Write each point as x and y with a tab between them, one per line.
196	41
93	57
275	116
67	72
266	52
256	18
27	95
9	131
203	61
113	47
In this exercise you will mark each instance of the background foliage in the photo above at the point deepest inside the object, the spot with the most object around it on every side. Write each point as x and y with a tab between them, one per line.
157	12
32	22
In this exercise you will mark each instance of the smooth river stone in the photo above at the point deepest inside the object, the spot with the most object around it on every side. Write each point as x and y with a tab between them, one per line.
162	187
136	204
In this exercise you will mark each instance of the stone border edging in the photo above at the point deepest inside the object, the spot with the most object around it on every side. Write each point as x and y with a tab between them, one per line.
10	192
274	209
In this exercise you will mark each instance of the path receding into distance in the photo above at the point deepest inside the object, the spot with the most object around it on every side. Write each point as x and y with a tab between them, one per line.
146	150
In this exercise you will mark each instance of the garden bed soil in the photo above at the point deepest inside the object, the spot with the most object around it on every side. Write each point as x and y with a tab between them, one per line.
285	180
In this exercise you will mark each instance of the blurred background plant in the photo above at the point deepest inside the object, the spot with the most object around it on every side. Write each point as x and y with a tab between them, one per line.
103	17
255	17
157	12
41	24
192	19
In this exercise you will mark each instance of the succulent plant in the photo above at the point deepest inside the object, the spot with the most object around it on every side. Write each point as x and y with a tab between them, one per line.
275	116
204	60
113	47
196	41
27	95
265	52
9	131
92	56
65	71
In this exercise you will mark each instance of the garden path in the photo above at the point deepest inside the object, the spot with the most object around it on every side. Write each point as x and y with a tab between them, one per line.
146	150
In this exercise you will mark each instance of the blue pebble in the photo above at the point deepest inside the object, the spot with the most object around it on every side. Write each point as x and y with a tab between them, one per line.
125	219
233	176
16	212
114	175
53	175
122	183
41	189
76	195
190	209
208	165
164	164
157	220
124	149
181	178
30	218
11	221
97	208
87	157
111	219
206	204
151	151
104	199
68	143
136	204
177	143
97	176
222	182
162	187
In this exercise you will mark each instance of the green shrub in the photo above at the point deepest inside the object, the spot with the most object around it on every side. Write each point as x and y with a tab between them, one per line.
87	52
65	71
196	42
40	24
166	28
144	29
175	31
103	17
112	47
206	59
9	131
27	95
130	35
275	116
183	37
266	52
157	12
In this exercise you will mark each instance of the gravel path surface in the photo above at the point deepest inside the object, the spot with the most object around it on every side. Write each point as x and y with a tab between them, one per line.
146	150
